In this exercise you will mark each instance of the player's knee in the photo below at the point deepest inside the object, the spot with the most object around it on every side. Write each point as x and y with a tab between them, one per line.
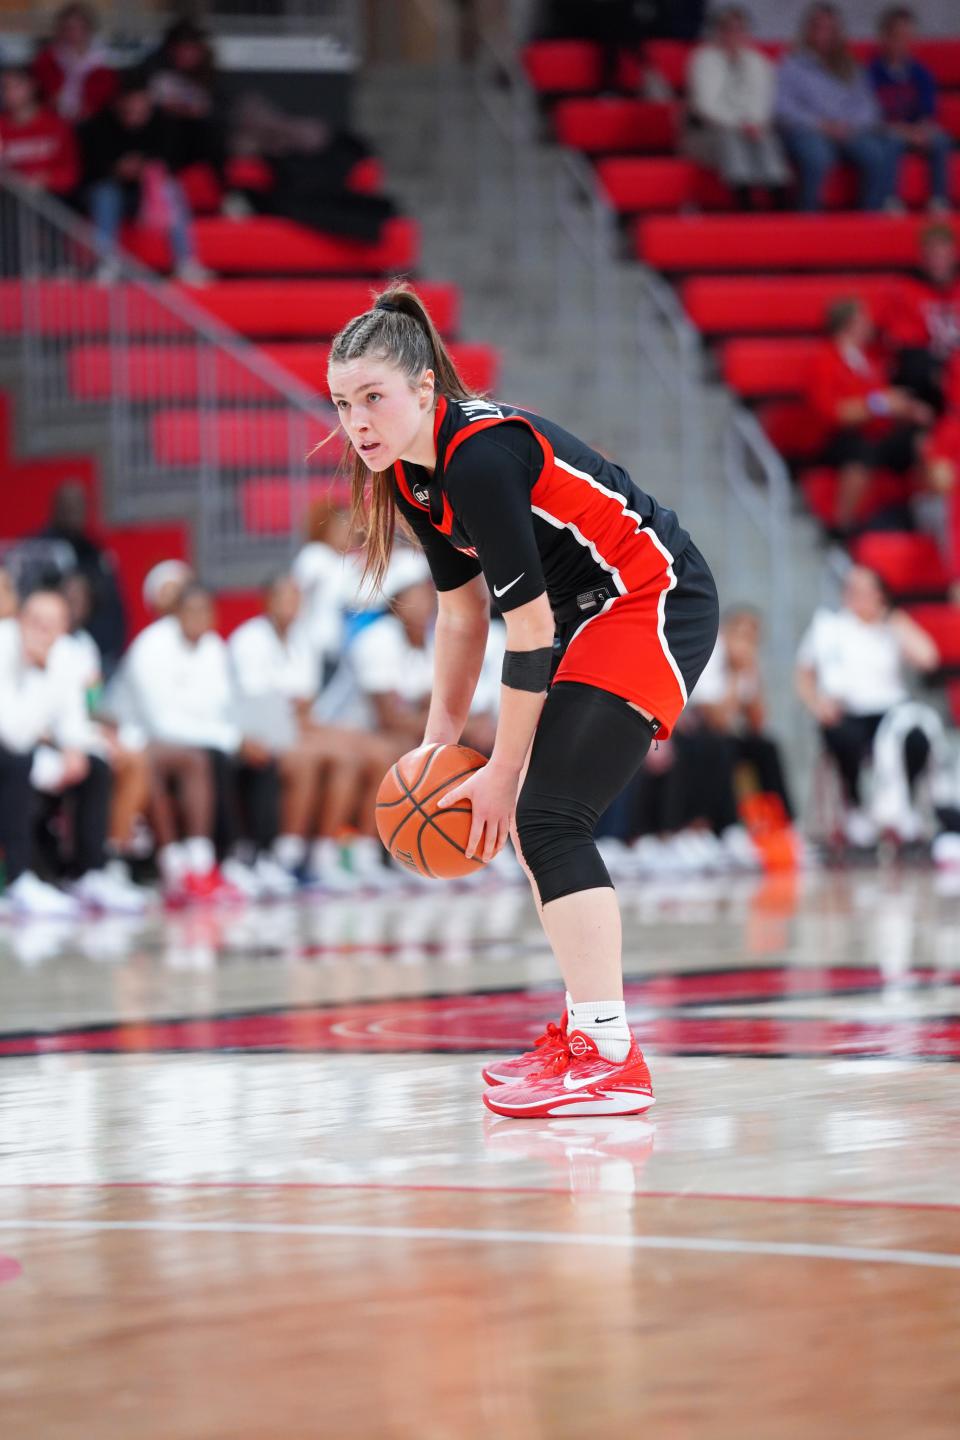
557	844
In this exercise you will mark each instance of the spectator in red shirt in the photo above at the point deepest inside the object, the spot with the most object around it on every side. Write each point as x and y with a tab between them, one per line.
865	422
34	142
922	327
73	71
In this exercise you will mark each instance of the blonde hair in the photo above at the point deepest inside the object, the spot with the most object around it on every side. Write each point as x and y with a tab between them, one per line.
840	61
398	328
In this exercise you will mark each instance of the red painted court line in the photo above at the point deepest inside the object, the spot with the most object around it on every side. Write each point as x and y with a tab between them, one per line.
386	1186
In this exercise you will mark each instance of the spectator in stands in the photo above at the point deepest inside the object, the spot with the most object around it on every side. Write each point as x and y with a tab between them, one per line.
35	143
182	86
730	88
851	673
328	574
162	585
46	746
907	95
329	775
9	599
921	323
864	423
127	160
729	697
69	524
310	167
73	70
178	679
828	112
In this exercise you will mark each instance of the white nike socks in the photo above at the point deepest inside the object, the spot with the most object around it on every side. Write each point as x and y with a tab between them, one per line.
605	1021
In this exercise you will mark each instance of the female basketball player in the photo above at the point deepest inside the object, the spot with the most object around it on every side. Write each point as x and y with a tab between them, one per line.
611	615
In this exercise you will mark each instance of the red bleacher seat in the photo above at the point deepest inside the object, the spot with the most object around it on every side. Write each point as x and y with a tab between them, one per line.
171	372
275	505
603	126
277	247
729	305
819	487
911	565
953	700
573	67
788	427
943	623
948	113
563	67
771	242
768	367
255	308
246	439
636	184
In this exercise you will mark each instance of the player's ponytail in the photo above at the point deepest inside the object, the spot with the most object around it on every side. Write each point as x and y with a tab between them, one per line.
398	328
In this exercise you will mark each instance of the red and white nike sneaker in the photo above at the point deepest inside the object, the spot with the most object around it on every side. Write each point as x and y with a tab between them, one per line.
531	1062
576	1080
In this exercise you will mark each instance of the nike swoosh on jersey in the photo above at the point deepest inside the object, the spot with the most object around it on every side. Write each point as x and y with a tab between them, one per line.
502	590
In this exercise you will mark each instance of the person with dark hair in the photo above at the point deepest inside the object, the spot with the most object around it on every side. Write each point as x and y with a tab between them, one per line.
572	550
907	94
35	143
73	70
69	523
730	89
129	156
828	112
921	322
851	672
862	421
182	85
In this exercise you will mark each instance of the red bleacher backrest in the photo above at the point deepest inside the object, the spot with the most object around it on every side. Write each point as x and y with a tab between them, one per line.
820	486
670	58
725	305
271	246
308	308
787	424
953	700
948	113
911	565
943	623
247	439
602	126
635	184
768	367
563	67
275	505
144	372
772	242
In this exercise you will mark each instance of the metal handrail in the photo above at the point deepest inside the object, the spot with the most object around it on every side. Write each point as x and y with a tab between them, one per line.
79	231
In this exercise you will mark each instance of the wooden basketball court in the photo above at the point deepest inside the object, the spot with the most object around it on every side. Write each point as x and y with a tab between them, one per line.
247	1187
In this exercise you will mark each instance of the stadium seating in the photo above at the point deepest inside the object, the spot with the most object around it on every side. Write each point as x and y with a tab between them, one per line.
943	623
679	244
171	372
910	565
281	247
604	125
819	489
768	367
769	305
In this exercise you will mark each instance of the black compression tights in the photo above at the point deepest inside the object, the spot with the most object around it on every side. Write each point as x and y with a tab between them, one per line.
587	746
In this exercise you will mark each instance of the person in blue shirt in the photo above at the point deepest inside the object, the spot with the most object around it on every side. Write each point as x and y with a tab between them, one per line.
907	95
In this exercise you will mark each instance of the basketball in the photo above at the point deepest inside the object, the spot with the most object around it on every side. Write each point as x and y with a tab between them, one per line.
417	833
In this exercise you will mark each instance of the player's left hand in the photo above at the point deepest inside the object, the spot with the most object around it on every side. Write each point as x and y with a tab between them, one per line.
492	793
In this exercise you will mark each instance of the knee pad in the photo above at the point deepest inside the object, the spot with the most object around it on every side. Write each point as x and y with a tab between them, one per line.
557	844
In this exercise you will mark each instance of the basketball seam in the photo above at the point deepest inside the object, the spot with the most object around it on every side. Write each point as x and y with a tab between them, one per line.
417	805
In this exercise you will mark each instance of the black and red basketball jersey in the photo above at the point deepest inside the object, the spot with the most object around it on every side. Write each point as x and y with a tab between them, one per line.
534	508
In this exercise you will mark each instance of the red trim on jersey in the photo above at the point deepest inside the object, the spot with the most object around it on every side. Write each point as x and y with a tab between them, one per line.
622	651
400	476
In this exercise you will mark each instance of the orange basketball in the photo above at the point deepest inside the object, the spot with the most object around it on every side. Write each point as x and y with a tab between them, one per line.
412	827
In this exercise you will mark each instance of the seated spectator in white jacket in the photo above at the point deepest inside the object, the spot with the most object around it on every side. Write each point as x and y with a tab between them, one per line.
392	660
328	574
48	758
178	681
852	668
329	775
731	87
